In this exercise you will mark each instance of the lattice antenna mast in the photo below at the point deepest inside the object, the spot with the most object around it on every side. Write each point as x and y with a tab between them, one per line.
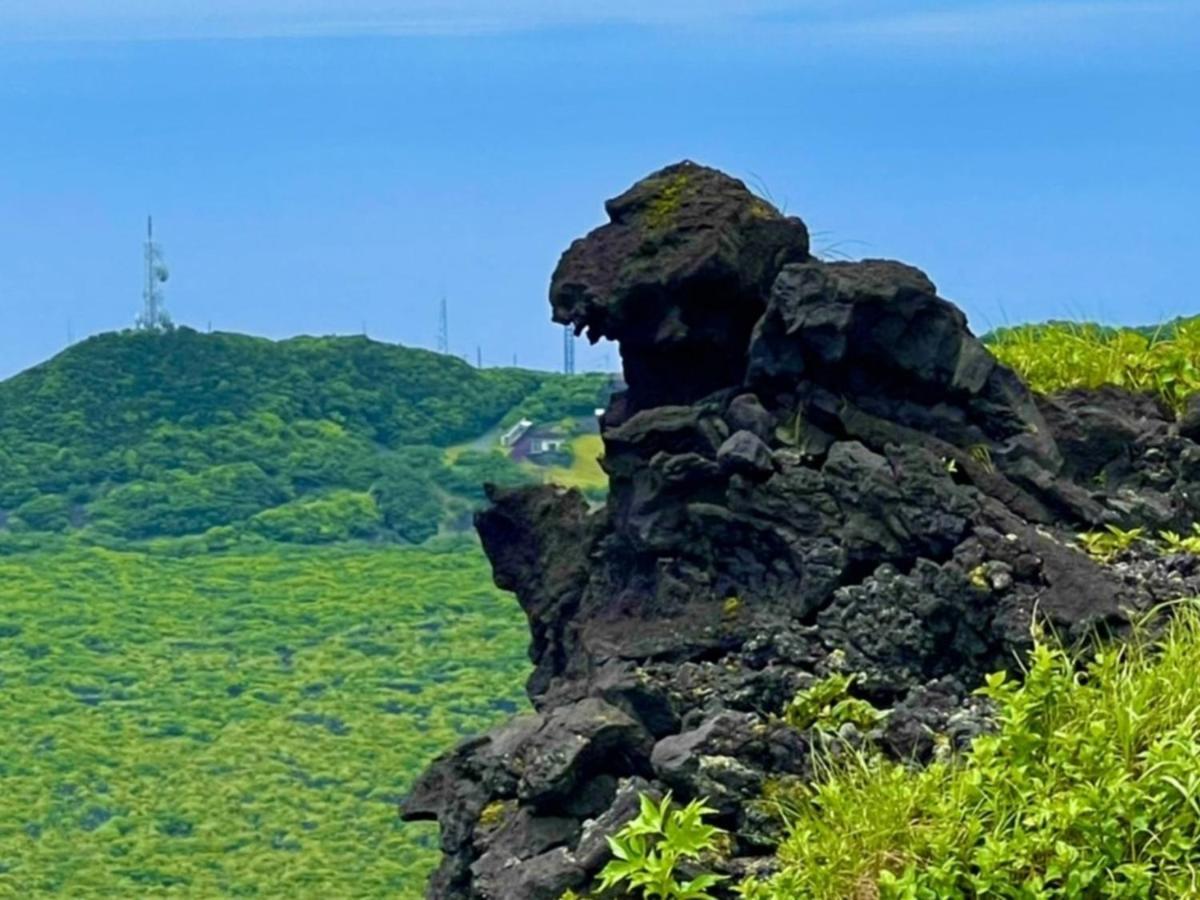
443	327
568	350
154	309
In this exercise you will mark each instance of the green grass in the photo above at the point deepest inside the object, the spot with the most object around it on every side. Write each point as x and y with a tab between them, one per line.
584	472
1090	788
1053	357
238	725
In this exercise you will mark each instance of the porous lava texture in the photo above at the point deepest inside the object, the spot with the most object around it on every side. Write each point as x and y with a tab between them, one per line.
816	468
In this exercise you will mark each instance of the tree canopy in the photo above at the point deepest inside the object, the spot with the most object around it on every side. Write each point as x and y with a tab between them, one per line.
138	435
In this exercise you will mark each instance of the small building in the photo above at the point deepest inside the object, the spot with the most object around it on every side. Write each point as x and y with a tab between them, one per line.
512	437
542	444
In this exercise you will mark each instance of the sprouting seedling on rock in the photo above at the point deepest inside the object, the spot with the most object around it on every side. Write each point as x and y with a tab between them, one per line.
983	456
1105	546
1173	542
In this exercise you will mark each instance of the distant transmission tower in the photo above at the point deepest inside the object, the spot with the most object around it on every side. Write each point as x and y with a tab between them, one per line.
443	328
568	350
154	311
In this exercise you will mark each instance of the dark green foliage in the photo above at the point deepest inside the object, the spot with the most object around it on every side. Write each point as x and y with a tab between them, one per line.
179	502
140	435
339	516
470	470
44	512
409	506
114	389
559	397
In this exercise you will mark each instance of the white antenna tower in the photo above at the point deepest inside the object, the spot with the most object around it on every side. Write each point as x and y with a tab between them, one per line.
154	312
443	327
568	350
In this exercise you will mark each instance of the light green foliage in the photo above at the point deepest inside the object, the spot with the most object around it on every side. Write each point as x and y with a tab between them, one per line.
1088	789
1106	545
242	724
827	706
649	850
791	431
1173	542
585	471
1052	357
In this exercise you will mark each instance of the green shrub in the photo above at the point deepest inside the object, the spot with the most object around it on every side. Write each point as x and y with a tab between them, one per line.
45	512
340	516
469	471
827	706
179	502
649	851
1089	788
561	397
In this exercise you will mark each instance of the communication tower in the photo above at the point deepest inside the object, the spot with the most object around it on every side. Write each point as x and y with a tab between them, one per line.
443	327
568	350
154	310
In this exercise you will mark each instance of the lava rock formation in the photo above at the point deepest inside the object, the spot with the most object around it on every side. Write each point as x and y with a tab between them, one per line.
816	468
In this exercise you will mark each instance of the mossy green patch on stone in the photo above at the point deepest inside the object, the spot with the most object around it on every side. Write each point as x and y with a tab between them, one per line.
661	210
731	607
495	812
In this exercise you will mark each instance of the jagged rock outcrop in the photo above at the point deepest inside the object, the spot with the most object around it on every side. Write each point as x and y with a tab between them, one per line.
816	468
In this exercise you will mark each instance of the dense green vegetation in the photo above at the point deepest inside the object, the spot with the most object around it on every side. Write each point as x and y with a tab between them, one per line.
1164	360
140	435
556	399
238	724
1088	788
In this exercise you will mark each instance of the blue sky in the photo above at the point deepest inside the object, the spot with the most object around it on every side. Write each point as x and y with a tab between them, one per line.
317	165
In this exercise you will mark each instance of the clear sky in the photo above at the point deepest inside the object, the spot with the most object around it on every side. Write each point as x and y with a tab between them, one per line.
317	165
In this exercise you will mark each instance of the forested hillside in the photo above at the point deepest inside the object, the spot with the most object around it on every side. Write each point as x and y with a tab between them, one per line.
224	438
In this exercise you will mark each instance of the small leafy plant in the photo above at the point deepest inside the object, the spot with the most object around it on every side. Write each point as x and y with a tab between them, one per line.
1105	546
649	851
1173	542
827	706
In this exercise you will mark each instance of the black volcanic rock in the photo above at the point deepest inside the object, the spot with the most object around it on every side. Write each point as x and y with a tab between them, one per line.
678	277
816	469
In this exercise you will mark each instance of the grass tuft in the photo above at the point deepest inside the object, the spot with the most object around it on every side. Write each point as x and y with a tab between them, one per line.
1061	355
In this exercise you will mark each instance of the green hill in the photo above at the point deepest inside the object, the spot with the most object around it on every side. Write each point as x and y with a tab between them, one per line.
223	437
